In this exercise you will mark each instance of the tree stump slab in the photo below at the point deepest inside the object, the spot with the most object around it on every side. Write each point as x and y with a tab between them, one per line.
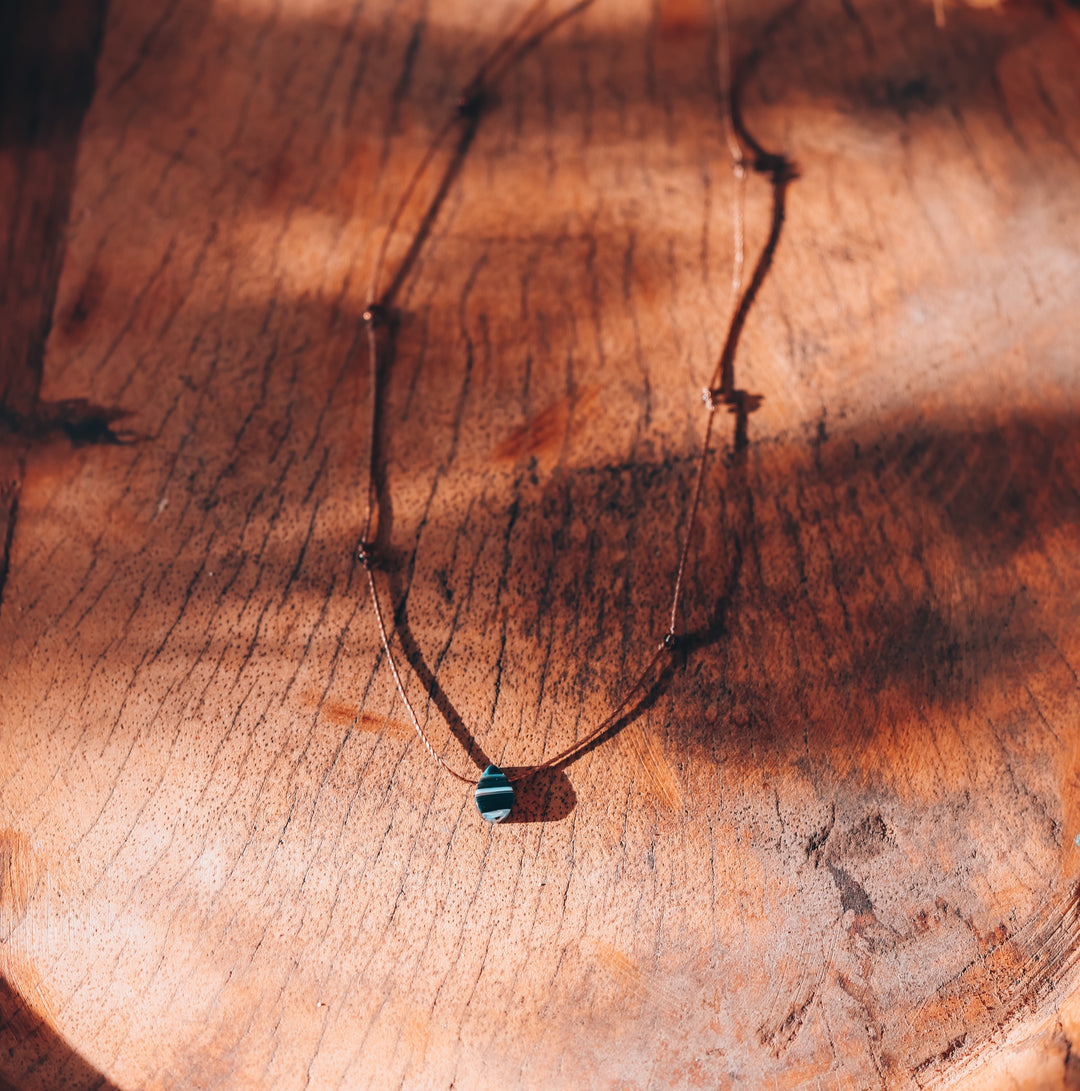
835	845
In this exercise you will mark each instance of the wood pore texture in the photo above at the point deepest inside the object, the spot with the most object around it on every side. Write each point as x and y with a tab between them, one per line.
835	845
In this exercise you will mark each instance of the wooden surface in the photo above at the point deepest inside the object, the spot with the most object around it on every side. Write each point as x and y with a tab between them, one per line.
836	846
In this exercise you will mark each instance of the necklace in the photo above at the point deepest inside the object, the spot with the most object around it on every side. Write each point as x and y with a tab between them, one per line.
493	789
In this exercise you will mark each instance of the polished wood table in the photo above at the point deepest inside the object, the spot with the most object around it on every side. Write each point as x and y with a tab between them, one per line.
833	841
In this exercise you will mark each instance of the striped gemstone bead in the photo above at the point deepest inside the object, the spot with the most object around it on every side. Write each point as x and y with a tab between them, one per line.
494	794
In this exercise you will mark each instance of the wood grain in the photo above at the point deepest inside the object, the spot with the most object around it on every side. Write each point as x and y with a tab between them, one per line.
836	846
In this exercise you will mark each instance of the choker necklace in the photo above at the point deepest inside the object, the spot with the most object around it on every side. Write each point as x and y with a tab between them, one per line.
494	790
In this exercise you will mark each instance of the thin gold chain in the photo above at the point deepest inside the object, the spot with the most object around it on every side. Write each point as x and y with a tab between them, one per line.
524	36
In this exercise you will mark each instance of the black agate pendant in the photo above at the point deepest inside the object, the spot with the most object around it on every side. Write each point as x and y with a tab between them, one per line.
494	794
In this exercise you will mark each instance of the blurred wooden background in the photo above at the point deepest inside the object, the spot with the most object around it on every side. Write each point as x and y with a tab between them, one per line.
836	847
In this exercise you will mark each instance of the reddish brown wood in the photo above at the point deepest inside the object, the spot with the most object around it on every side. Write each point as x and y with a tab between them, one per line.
837	845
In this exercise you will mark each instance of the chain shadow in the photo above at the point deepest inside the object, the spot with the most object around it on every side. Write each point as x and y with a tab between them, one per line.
545	792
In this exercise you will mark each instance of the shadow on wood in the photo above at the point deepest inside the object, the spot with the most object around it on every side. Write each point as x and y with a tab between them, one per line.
33	1056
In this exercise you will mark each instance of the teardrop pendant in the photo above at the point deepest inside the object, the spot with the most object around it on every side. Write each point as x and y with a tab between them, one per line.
494	794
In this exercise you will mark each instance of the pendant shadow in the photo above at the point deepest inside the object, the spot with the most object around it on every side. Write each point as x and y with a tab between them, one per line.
543	795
